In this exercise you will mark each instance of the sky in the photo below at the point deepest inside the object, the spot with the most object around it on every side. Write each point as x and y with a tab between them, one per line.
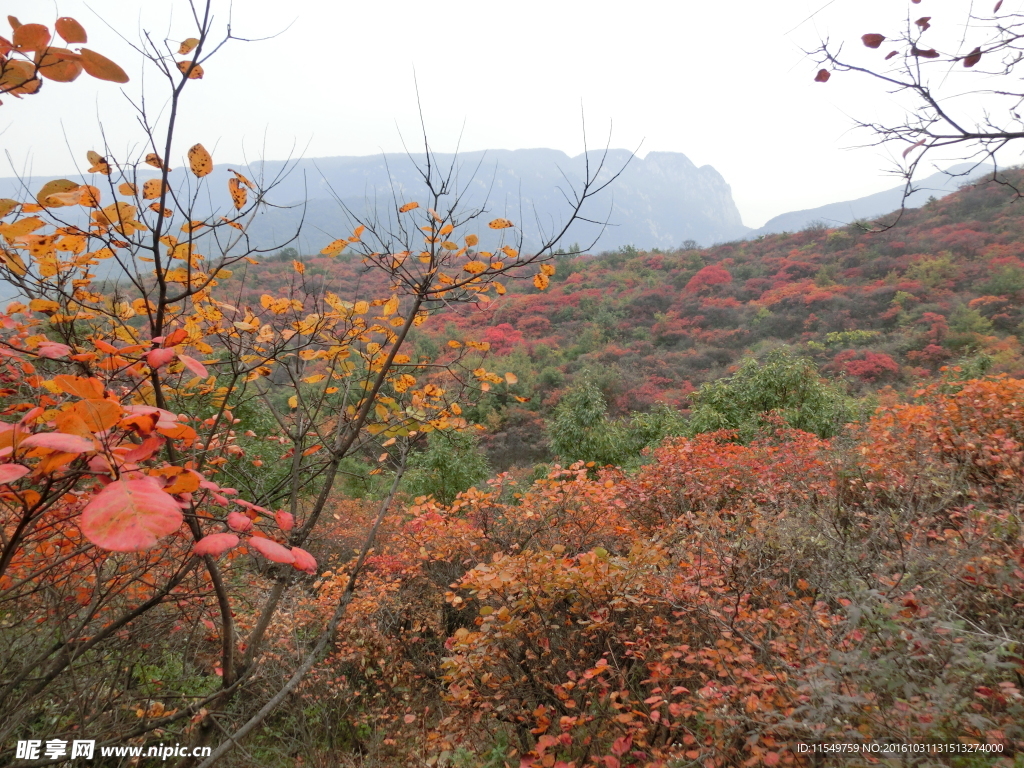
726	83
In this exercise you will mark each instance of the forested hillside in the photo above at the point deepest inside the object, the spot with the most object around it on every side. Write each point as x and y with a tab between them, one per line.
872	308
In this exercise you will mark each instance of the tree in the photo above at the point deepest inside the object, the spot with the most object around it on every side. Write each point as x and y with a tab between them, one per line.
955	77
122	545
781	389
452	463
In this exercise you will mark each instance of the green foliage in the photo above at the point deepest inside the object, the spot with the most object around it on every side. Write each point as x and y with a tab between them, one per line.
452	463
784	388
582	431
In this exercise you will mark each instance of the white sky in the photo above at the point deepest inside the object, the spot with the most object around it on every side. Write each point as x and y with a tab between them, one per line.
726	83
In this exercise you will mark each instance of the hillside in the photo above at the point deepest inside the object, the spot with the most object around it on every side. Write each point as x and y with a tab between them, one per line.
875	308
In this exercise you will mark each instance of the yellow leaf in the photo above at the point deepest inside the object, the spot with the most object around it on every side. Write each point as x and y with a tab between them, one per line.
97	163
509	251
454	344
547	269
314	379
390	306
153	188
299	267
127	189
361	307
154	159
501	224
199	160
335	247
472	240
187	45
541	281
57	188
475	267
511	378
447	230
449	245
293	402
408	207
238	193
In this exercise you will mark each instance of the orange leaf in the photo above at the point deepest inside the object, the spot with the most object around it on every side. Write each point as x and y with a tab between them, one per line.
408	207
130	515
87	389
102	68
71	30
98	415
154	159
195	71
541	281
199	160
501	224
31	37
187	45
60	65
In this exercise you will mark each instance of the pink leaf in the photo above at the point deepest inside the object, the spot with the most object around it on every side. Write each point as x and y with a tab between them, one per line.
194	365
145	449
130	515
911	148
52	350
58	441
621	745
285	520
159	357
304	561
272	550
250	505
11	472
216	544
238	522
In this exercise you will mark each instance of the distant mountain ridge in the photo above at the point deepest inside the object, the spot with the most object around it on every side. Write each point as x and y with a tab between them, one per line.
658	201
871	206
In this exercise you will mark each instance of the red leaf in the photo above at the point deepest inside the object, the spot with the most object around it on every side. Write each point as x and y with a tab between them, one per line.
621	745
272	550
238	522
998	6
52	350
891	54
130	515
822	76
923	22
929	53
11	472
159	357
610	761
216	544
304	561
145	450
912	147
59	441
872	40
194	365
285	520
973	57
771	758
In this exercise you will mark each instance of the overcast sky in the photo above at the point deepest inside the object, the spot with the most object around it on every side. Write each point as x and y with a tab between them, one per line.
726	83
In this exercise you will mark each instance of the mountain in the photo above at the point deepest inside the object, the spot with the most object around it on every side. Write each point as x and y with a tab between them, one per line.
658	201
871	206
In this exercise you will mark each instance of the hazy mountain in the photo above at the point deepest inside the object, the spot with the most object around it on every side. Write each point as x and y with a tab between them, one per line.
870	207
658	201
